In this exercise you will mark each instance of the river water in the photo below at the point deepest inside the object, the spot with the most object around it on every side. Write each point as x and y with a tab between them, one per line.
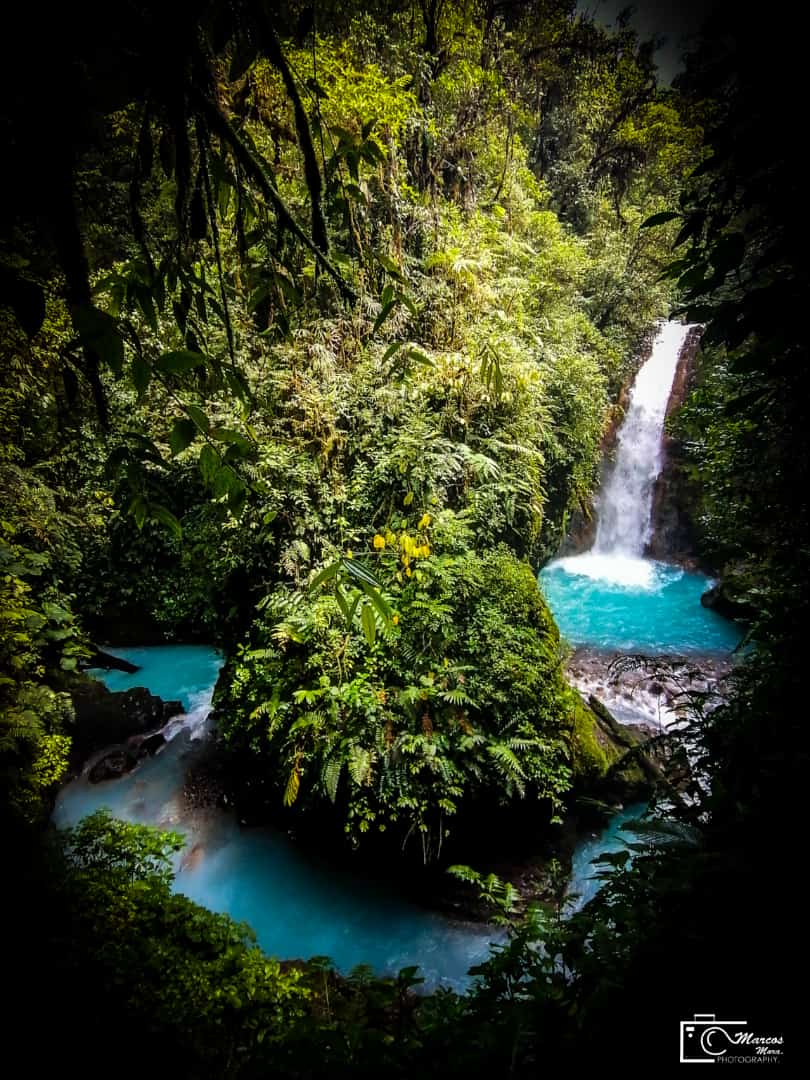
297	907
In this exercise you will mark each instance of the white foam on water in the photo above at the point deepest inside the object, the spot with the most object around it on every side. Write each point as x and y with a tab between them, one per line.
624	570
192	721
628	704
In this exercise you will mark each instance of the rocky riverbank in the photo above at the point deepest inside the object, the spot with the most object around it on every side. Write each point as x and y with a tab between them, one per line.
650	693
105	718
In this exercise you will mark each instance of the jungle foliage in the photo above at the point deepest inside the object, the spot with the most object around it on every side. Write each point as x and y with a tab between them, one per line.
330	348
312	332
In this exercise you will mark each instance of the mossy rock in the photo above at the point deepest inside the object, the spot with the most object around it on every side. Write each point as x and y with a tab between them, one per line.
606	756
592	750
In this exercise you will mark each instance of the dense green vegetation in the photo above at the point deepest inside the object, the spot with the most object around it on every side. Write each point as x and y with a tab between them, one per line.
317	457
311	335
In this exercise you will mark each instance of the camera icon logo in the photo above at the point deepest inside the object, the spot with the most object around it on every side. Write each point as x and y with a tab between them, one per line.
705	1038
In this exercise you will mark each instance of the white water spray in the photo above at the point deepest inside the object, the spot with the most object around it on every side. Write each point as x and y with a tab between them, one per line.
626	500
625	503
194	718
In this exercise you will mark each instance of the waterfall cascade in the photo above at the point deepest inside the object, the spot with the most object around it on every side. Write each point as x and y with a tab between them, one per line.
625	502
612	597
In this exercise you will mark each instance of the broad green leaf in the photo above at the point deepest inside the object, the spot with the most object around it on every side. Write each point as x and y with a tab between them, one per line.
165	517
237	497
179	360
385	311
98	332
222	482
659	219
199	417
377	599
343	605
233	438
326	574
357	570
182	435
146	302
393	348
209	463
369	623
138	509
419	356
141	374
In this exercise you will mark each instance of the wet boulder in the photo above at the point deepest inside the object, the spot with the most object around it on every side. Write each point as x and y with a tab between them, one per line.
723	599
152	744
104	718
113	765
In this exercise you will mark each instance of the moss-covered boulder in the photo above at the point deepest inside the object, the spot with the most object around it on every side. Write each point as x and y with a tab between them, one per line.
461	709
594	749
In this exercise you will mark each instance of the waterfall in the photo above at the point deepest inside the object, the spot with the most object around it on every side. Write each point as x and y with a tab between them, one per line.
625	505
625	502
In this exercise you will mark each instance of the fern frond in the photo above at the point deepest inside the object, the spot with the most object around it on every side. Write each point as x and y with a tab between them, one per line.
293	786
331	777
506	760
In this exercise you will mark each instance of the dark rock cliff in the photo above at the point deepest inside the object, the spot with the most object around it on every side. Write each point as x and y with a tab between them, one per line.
673	535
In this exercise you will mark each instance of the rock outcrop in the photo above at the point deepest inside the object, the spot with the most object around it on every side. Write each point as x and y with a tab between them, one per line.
104	718
673	538
727	601
121	760
638	768
150	746
113	765
107	662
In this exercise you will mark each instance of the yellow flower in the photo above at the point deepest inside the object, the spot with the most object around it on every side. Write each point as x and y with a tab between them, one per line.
424	521
408	571
395	620
349	554
379	542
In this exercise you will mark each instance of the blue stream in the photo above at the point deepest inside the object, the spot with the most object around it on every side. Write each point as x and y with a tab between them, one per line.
584	885
297	907
300	908
655	612
173	672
